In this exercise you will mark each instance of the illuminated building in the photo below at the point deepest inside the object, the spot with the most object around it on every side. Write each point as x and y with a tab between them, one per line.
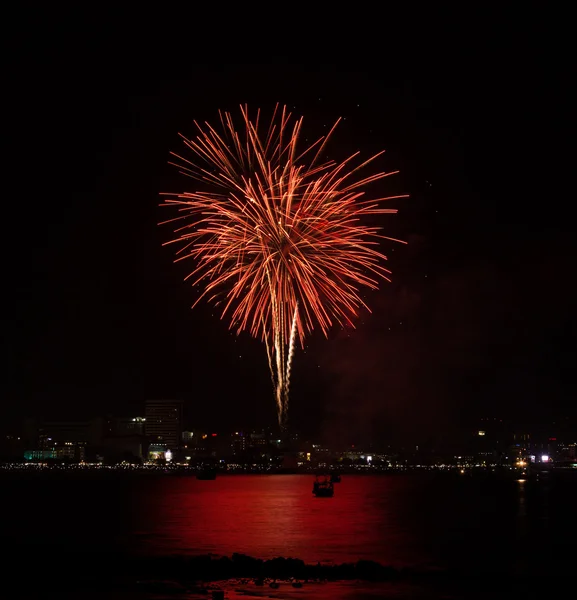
164	422
157	452
62	440
258	438
238	442
69	451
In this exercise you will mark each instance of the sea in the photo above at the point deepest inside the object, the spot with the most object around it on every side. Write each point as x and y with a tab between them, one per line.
448	535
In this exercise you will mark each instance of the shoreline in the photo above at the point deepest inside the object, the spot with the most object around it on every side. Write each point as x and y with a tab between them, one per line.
107	575
181	471
82	473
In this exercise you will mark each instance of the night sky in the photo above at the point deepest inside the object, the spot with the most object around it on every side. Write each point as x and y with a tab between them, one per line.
479	320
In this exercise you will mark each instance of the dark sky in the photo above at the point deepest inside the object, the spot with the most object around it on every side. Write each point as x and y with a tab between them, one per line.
479	319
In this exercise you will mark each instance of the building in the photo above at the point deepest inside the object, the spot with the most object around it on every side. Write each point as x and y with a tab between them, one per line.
258	439
238	443
188	437
85	432
263	438
163	423
126	426
62	440
68	451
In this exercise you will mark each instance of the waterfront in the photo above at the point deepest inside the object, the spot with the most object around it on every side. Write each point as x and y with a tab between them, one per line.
425	522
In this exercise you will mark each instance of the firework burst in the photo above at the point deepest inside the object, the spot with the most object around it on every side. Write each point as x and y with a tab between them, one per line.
277	236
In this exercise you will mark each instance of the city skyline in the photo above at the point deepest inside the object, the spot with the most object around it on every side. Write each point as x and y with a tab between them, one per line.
163	424
165	436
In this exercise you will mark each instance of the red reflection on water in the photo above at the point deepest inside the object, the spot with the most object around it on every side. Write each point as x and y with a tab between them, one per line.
267	516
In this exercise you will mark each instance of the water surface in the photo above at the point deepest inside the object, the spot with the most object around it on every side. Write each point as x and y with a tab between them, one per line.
420	520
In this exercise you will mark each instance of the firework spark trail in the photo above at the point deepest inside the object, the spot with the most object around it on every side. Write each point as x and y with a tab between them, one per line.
291	349
276	349
277	236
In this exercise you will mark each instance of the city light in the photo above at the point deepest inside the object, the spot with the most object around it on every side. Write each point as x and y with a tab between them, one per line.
264	450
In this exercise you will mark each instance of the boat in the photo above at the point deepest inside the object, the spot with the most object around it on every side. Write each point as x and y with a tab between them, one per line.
206	474
335	478
323	487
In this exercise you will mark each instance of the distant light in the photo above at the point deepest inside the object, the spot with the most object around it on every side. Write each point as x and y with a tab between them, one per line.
481	433
369	459
168	455
545	458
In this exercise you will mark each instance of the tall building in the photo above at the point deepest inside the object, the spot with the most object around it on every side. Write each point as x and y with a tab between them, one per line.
163	423
238	442
125	426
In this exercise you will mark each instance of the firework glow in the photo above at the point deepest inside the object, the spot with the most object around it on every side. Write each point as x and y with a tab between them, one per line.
277	235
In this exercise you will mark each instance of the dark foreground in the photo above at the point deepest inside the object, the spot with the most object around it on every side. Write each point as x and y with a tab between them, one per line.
241	576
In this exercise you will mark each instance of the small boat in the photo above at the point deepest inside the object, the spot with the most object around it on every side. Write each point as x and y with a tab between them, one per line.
206	474
323	487
335	478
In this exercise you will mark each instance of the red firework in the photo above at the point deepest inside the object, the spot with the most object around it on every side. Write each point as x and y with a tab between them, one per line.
278	238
